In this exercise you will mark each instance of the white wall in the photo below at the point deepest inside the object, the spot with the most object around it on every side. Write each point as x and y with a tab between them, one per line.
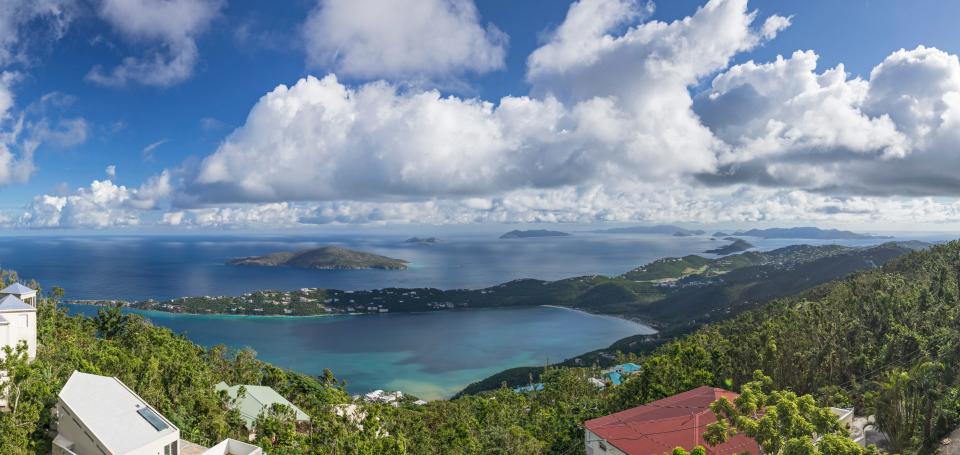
22	327
597	446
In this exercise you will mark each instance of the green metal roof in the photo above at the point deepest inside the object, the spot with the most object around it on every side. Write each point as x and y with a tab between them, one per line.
257	399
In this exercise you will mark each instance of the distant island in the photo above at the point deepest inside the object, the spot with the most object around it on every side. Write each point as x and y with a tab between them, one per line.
328	257
665	229
737	246
423	240
811	233
515	234
720	234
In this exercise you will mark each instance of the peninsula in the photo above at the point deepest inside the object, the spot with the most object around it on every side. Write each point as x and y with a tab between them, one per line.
737	246
328	257
809	233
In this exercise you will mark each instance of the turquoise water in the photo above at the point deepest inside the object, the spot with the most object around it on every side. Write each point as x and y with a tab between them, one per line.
431	355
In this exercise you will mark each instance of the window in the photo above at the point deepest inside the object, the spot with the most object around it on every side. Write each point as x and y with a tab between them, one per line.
153	418
171	449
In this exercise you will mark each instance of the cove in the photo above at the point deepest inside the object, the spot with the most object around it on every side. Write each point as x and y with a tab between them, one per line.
431	355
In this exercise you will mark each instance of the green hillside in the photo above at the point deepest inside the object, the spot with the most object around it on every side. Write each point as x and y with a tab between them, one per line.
883	340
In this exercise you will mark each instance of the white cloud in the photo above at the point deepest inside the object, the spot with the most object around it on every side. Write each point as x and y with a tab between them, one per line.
22	133
789	126
102	204
322	140
49	19
171	27
402	39
147	152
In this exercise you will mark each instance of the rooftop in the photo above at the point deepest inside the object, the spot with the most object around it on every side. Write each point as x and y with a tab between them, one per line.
12	303
662	425
256	399
117	417
18	289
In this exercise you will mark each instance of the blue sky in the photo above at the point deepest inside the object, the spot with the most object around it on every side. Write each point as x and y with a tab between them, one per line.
245	49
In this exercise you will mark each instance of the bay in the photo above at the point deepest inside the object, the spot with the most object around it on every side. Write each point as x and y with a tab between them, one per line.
431	355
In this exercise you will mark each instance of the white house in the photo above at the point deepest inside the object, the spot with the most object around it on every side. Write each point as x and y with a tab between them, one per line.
18	322
100	415
21	292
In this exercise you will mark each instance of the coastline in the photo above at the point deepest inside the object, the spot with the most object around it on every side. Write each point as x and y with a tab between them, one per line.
652	325
655	326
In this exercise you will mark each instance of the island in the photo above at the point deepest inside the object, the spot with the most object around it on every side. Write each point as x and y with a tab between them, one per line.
809	233
423	240
665	229
516	234
737	246
328	258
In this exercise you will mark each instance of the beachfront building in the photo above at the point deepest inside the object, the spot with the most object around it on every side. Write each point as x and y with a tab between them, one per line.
660	426
257	399
28	295
100	415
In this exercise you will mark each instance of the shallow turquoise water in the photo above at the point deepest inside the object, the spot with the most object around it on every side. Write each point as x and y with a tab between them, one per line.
431	355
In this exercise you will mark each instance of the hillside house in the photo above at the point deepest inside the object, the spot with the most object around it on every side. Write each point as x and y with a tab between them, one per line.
24	293
18	323
660	426
256	399
100	415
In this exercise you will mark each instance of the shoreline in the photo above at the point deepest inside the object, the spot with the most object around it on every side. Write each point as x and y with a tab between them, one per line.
652	325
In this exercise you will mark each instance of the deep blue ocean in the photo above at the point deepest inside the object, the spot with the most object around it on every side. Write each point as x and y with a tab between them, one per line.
431	355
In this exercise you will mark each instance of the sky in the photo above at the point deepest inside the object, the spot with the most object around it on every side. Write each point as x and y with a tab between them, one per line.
220	114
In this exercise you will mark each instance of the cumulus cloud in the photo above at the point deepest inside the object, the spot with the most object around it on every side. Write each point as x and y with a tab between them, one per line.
323	140
402	39
789	126
171	27
102	204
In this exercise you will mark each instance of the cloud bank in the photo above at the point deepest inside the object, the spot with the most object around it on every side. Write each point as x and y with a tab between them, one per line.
628	119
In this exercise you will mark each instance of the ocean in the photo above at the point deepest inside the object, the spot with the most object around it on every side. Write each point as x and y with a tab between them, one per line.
432	355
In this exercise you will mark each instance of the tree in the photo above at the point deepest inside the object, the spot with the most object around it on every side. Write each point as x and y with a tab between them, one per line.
909	404
110	321
780	421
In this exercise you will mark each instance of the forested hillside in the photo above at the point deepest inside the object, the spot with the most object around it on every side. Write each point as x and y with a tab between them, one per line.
886	341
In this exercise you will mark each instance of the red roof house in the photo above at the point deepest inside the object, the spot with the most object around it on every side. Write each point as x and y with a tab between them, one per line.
656	428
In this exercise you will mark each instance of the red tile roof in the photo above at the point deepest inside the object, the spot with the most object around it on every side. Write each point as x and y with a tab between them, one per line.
678	421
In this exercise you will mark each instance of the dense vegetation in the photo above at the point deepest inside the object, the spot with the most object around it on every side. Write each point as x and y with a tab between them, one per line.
886	341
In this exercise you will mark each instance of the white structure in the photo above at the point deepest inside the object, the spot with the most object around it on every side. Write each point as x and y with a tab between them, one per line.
99	415
233	447
21	292
379	396
18	322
